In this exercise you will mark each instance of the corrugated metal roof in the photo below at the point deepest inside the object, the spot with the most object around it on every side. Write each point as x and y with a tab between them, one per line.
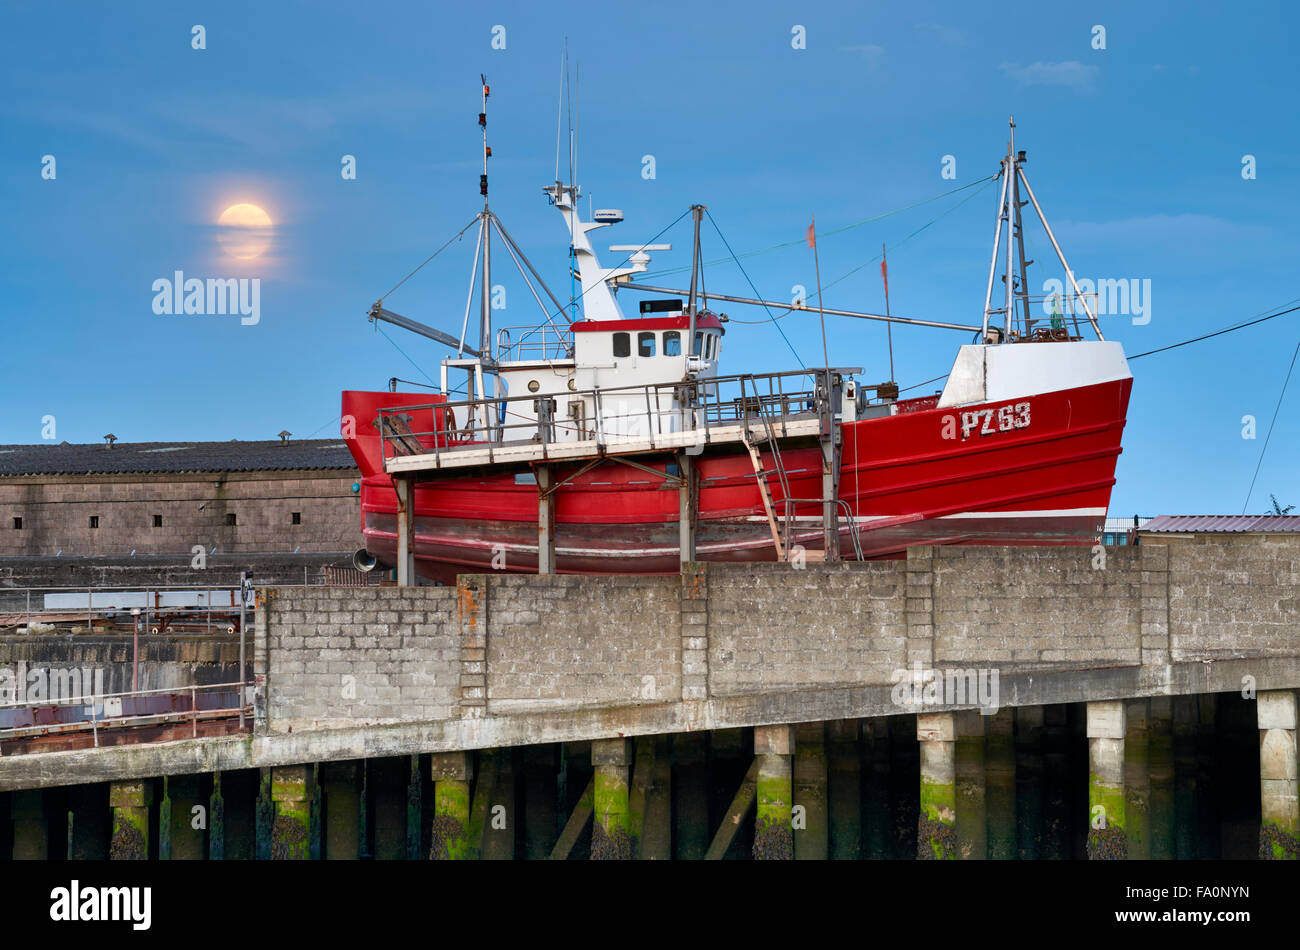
1181	523
160	457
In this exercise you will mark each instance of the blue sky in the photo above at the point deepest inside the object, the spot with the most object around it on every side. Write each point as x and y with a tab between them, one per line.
1135	151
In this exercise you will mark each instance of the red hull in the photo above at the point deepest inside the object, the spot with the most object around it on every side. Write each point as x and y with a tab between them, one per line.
909	478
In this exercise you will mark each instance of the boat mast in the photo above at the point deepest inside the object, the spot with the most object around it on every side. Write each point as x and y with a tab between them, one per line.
1017	204
697	212
1009	276
485	336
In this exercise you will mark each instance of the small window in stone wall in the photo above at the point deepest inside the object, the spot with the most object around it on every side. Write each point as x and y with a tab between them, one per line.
296	517
94	521
157	521
230	518
18	524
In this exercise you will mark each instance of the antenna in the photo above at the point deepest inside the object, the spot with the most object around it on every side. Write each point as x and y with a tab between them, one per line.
577	84
559	105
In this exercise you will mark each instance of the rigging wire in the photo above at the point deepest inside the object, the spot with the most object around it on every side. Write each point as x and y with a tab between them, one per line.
1276	408
404	353
773	320
871	260
1197	339
654	275
455	237
919	385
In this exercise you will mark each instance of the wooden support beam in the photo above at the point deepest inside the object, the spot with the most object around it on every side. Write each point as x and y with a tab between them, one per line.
642	766
484	788
499	805
577	823
656	843
740	806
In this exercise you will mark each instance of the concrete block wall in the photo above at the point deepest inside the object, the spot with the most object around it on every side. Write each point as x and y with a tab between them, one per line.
504	644
1233	593
770	626
563	640
1049	605
333	655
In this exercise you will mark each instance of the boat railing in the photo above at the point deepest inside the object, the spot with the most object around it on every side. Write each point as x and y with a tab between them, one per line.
610	415
541	342
1055	317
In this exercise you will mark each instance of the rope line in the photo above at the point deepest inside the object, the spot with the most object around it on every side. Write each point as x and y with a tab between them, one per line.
1280	397
807	309
848	227
773	320
1197	339
455	237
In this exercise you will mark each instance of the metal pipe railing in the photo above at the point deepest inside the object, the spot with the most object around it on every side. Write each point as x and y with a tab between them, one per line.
99	701
711	401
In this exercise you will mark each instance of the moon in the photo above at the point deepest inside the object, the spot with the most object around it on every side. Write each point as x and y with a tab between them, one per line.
244	231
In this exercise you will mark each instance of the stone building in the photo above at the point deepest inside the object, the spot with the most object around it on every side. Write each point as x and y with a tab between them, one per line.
126	513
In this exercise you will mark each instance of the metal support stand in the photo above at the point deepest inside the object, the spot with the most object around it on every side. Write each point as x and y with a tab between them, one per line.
686	507
405	531
830	439
830	499
545	520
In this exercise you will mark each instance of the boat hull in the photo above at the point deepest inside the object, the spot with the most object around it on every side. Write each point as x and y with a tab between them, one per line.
1034	470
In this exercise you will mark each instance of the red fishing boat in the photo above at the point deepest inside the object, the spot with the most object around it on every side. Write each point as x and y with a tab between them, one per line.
613	444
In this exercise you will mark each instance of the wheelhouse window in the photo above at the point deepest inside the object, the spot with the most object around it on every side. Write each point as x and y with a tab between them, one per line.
622	344
672	343
699	343
645	344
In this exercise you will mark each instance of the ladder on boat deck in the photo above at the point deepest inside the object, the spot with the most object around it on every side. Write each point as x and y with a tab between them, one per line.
780	539
761	475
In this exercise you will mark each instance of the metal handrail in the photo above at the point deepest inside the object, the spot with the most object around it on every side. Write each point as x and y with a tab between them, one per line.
553	345
703	399
136	692
98	701
855	532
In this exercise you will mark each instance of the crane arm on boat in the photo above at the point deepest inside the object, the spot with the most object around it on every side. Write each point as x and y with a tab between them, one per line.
377	312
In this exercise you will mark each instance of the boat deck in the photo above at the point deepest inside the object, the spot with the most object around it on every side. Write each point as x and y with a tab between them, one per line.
535	451
684	416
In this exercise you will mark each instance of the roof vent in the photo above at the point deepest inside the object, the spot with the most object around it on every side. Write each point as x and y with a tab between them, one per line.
284	436
109	440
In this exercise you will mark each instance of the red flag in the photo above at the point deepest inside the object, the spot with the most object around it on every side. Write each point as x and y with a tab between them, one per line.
811	236
884	275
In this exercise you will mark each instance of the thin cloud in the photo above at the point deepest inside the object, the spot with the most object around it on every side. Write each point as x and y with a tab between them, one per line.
944	34
1073	74
868	51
